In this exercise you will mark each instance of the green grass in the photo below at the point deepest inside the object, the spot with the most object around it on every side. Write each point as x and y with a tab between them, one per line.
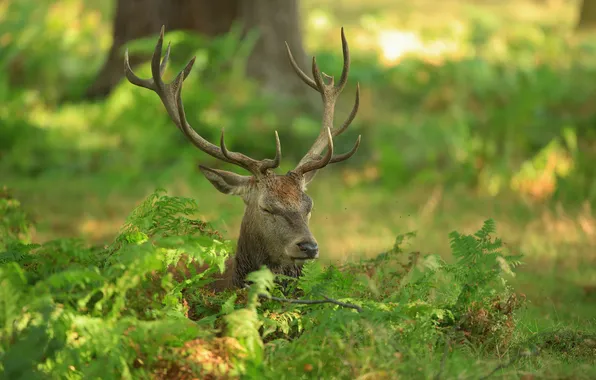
558	307
558	277
500	126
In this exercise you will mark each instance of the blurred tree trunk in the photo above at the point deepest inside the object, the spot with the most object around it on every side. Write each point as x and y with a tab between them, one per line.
587	15
276	22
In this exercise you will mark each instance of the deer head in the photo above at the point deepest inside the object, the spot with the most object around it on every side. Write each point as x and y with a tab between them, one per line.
274	230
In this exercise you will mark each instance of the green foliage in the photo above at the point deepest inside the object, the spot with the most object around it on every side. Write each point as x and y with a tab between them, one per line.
14	223
244	324
126	310
481	115
47	52
408	303
510	110
70	308
480	262
128	132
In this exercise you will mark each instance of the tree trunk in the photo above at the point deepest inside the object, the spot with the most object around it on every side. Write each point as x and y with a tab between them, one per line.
276	22
587	15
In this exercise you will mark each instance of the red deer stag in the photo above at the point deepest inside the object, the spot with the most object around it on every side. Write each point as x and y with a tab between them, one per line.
274	230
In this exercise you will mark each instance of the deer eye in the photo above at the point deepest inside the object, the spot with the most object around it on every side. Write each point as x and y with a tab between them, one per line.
266	210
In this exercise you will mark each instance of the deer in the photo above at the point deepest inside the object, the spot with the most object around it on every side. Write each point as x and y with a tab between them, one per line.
274	231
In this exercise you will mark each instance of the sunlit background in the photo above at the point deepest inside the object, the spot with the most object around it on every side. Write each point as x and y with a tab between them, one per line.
469	110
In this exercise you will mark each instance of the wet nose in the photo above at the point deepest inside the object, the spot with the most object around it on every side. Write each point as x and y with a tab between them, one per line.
309	248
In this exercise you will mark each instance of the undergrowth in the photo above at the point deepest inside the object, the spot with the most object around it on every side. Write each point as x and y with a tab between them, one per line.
138	307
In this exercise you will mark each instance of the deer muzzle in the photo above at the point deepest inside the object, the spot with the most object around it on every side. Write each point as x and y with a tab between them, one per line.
309	249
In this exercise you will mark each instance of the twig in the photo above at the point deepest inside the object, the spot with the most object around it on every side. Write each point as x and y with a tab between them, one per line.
313	302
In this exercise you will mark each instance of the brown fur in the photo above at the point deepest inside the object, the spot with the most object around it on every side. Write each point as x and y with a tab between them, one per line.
274	229
285	188
275	221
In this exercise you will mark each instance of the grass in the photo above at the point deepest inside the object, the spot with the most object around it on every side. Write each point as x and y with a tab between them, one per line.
558	278
421	118
351	222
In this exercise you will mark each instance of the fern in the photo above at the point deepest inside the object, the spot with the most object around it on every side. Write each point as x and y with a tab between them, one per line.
124	311
480	262
15	224
244	324
69	306
165	216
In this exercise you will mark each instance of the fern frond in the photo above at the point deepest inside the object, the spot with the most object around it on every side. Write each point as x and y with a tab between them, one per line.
488	227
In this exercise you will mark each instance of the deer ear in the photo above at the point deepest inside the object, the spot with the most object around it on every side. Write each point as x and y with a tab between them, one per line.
309	176
225	181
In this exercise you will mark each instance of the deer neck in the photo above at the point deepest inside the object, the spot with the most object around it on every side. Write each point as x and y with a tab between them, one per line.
252	254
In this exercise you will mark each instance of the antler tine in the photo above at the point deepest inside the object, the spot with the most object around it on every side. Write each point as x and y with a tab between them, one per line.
299	71
352	115
324	84
320	163
164	61
345	156
343	79
248	163
152	83
171	97
316	73
188	130
156	64
132	77
237	158
273	164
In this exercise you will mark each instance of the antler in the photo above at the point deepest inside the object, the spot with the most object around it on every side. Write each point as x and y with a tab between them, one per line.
171	97
329	94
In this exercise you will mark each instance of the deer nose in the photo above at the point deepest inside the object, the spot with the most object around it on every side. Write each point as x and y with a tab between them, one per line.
311	249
